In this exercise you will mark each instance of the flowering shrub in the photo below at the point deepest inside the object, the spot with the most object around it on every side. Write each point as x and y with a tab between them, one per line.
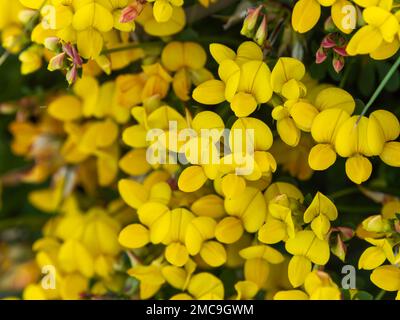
199	150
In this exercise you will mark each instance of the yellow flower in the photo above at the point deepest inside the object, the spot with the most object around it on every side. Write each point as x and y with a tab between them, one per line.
279	224
306	248
187	60
319	213
31	59
150	277
387	278
306	14
203	286
153	27
318	286
163	9
379	37
374	256
258	259
245	79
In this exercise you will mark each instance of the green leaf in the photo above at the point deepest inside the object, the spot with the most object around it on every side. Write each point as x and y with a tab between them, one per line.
363	295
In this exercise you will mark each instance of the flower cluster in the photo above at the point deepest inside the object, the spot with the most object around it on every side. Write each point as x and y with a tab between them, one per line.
78	246
204	230
382	232
170	175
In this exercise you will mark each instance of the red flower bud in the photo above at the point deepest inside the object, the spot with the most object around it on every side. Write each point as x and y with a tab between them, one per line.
320	55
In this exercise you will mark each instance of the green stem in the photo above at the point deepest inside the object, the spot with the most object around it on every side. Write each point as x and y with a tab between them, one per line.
383	83
342	193
380	295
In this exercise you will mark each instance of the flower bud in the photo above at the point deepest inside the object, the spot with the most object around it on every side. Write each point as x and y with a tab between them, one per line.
328	42
329	26
376	224
250	21
320	55
337	63
72	75
341	51
57	62
52	43
261	34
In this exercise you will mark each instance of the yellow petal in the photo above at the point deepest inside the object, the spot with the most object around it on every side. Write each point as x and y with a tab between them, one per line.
134	162
340	11
305	15
243	104
221	52
321	205
365	40
199	230
132	192
288	131
205	283
134	236
229	230
213	253
162	10
284	70
210	205
248	51
299	268
335	98
210	92
321	157
386	278
246	289
232	185
371	258
257	271
391	154
358	169
66	108
290	295
176	254
303	114
272	231
192	179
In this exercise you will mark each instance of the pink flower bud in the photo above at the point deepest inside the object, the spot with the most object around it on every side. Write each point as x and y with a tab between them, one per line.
320	55
252	17
261	34
328	42
337	63
132	11
71	51
57	62
341	51
72	75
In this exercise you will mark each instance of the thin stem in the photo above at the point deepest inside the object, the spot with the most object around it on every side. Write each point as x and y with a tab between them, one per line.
344	192
380	295
4	57
378	90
